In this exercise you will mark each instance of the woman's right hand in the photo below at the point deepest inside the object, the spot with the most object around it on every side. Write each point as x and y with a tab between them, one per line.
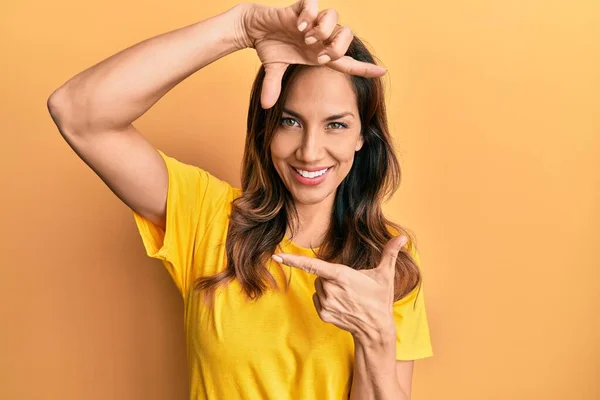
281	36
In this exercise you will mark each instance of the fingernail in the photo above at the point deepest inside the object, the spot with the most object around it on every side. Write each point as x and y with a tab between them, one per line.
277	258
403	241
302	26
324	59
310	40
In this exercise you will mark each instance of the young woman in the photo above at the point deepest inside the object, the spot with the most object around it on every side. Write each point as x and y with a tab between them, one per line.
295	286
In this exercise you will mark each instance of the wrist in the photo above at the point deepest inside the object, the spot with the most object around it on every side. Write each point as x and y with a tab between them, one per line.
377	352
382	337
242	15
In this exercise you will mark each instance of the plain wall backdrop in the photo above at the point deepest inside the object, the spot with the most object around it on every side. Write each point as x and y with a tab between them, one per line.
494	107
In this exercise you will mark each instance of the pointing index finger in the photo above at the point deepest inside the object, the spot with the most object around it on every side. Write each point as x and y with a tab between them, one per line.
311	265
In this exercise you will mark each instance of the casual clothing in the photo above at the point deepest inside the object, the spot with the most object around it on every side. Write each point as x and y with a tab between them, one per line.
275	347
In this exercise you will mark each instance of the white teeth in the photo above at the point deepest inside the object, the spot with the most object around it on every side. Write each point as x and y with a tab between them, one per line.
314	174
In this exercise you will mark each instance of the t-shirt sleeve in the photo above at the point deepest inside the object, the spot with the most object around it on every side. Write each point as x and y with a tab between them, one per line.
412	329
194	198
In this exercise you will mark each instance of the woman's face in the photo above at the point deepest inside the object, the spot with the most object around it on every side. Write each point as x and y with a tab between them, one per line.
319	132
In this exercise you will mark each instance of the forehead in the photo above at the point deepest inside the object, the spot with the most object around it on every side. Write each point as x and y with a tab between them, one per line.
321	90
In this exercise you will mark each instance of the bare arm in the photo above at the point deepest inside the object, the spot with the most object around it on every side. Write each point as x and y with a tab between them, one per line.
377	374
95	109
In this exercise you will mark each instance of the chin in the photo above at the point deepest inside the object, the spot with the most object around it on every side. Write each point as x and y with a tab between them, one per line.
310	196
308	199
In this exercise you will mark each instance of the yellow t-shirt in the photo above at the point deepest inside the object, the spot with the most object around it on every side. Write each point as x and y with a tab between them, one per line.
276	347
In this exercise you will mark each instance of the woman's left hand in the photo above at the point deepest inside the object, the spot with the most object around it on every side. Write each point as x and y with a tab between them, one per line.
358	301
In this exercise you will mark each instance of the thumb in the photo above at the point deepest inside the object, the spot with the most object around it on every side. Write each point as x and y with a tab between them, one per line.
271	87
389	255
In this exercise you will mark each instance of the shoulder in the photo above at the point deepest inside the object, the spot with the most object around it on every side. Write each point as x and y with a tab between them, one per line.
195	189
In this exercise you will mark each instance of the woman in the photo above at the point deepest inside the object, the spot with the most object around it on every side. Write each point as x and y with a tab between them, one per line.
294	286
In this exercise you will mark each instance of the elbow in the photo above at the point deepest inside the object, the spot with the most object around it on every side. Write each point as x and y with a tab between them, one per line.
60	108
56	105
56	97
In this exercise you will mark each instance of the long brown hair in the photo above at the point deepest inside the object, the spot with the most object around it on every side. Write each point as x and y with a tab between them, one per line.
358	230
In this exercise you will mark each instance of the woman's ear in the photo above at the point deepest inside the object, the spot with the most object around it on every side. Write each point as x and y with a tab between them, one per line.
359	143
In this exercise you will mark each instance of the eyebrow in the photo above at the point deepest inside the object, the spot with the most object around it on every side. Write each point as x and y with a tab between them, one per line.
330	118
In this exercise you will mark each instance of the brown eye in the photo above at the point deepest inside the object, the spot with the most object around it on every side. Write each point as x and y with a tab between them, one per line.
339	125
285	121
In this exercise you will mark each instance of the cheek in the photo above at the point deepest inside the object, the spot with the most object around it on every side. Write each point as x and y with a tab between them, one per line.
343	152
279	155
280	148
344	145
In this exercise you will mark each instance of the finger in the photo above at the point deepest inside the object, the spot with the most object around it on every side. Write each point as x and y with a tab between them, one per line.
307	11
316	302
271	87
324	28
350	66
338	46
389	255
311	265
323	314
319	288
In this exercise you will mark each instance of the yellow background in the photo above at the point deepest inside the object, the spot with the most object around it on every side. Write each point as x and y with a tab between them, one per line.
496	113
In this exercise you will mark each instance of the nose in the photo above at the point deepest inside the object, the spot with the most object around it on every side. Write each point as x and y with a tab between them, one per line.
311	150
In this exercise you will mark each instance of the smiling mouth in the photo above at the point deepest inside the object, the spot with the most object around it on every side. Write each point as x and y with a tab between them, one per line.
311	174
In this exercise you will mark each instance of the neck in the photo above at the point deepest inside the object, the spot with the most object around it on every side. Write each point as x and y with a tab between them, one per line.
313	222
